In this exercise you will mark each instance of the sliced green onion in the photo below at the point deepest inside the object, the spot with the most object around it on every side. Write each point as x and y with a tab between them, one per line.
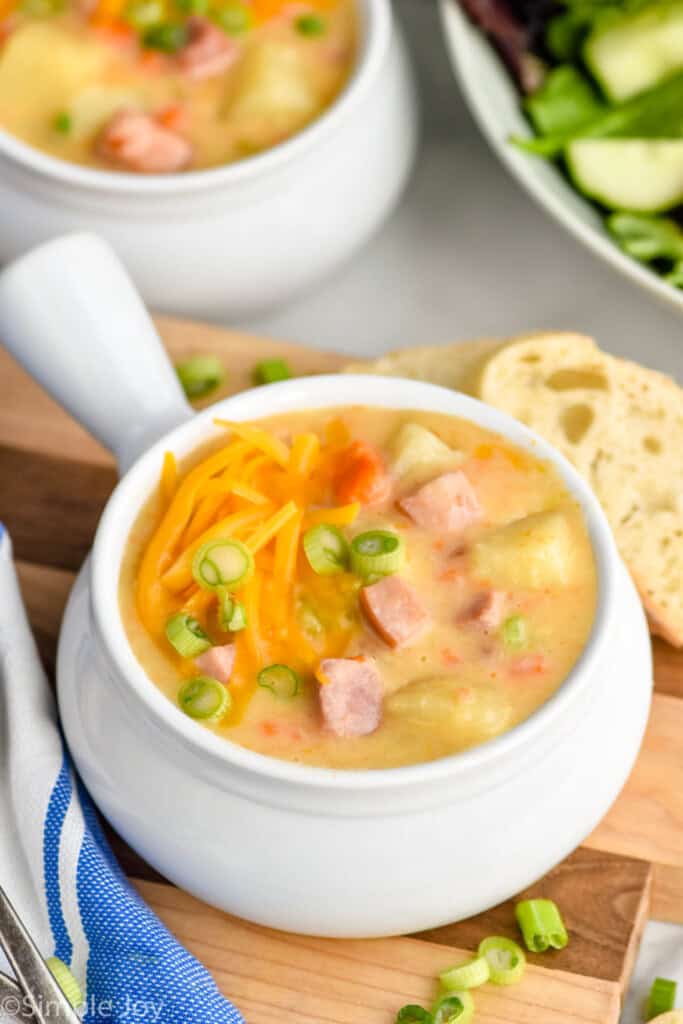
169	37
193	6
62	122
377	553
469	974
186	635
201	374
414	1015
310	25
454	1008
233	18
205	698
222	563
231	613
541	925
143	13
662	998
506	958
66	981
515	632
327	549
271	370
282	681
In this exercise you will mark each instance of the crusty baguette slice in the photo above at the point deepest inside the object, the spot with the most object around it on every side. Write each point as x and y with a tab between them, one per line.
454	366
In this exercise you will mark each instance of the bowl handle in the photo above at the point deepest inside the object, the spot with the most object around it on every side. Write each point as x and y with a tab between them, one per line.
71	316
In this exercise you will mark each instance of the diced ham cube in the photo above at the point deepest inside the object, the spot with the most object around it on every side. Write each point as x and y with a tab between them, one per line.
217	662
447	504
137	142
350	695
395	610
485	610
208	51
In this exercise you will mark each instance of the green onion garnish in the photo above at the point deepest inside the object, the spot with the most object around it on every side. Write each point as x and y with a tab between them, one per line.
201	374
541	925
186	635
310	25
205	698
222	563
143	13
469	974
414	1015
193	6
377	553
507	961
233	18
66	981
282	681
63	122
327	549
515	632
231	613
662	998
271	370
169	37
454	1008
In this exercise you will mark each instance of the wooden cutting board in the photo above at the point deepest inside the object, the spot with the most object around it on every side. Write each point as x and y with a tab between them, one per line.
54	480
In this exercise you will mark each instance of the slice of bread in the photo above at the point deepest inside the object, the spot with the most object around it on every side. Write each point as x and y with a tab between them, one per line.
559	385
454	366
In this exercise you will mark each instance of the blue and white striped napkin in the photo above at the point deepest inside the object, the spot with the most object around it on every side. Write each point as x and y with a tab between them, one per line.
57	868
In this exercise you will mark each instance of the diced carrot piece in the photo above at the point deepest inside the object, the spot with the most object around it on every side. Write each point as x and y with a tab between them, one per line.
361	475
173	116
528	665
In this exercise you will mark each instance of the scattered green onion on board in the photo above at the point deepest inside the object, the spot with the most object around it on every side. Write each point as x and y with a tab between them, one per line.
232	614
204	698
62	123
66	981
515	632
310	25
506	959
326	549
469	974
233	18
271	370
454	1008
282	681
200	375
377	553
662	998
185	634
413	1015
222	563
541	925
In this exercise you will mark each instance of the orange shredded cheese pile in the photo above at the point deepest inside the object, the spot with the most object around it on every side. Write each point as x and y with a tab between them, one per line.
259	490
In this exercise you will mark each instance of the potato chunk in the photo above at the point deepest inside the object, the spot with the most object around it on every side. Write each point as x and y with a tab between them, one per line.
274	83
417	454
471	714
532	552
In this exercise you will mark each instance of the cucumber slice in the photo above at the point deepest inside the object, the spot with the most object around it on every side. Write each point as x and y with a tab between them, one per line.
640	175
632	52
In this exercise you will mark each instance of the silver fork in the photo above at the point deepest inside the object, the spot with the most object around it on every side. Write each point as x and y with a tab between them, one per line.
35	995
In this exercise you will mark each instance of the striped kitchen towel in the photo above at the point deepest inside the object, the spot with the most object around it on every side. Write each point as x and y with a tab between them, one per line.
56	865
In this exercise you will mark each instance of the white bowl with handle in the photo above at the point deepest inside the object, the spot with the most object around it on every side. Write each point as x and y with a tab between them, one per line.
494	101
311	850
238	239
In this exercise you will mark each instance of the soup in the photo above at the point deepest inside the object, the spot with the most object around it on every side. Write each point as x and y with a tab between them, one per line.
359	588
159	86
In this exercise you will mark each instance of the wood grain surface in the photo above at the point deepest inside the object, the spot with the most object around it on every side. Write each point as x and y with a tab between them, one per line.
289	979
55	480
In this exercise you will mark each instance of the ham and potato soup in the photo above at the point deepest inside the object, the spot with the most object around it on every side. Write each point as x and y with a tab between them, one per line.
158	86
359	588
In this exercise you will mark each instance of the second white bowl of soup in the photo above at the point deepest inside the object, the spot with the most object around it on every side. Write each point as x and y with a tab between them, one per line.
232	151
347	659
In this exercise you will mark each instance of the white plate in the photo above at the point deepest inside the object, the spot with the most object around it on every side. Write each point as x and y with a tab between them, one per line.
493	100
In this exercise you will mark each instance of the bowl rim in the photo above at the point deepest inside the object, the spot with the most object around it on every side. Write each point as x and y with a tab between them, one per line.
375	19
456	29
316	392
